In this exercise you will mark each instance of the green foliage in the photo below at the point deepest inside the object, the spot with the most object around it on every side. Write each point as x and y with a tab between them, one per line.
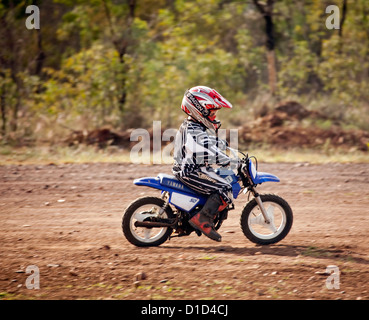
108	63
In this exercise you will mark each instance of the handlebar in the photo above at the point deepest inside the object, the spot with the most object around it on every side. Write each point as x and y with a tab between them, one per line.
236	152
236	161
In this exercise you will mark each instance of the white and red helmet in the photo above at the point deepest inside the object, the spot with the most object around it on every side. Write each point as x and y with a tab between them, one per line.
202	104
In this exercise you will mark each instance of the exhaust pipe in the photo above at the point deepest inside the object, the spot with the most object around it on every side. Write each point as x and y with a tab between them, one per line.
153	224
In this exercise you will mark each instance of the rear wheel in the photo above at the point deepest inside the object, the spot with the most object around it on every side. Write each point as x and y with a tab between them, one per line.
145	209
257	230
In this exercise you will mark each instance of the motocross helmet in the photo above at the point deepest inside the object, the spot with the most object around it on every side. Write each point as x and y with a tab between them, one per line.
202	104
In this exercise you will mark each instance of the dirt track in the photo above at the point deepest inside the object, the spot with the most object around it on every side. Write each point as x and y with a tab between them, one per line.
80	251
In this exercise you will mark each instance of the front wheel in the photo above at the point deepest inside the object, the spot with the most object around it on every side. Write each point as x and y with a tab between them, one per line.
257	230
145	209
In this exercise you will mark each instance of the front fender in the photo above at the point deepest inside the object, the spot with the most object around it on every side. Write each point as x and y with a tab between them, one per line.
265	177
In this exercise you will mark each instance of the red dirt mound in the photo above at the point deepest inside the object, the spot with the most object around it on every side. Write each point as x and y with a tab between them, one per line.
289	124
283	127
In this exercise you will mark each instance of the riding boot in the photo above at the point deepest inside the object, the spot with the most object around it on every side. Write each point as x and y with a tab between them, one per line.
204	219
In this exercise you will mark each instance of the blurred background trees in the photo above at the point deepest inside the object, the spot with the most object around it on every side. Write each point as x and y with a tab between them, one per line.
124	63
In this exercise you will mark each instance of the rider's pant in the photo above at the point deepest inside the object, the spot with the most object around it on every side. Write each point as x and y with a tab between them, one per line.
204	180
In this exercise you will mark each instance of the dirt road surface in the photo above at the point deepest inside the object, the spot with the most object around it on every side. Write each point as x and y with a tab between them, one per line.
64	221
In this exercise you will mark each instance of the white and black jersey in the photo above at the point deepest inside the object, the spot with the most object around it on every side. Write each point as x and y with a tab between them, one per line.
194	153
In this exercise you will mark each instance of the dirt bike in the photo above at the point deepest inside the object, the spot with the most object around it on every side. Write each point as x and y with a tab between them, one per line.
150	221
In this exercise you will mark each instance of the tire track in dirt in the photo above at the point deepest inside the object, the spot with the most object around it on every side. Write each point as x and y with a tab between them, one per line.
78	246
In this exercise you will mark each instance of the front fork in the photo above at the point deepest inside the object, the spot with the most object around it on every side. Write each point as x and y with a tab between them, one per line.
261	206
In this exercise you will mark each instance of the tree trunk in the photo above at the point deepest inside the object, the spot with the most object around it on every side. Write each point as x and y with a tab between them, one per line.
121	45
267	12
272	71
343	17
14	121
3	108
41	55
12	63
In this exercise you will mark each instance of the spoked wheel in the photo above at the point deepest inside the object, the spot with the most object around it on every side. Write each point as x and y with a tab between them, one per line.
257	230
145	209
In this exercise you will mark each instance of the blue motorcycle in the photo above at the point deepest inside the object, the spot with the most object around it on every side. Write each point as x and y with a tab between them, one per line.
150	221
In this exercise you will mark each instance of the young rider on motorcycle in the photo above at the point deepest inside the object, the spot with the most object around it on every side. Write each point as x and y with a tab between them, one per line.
196	150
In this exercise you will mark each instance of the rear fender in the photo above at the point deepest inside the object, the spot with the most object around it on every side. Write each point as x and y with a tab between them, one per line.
152	182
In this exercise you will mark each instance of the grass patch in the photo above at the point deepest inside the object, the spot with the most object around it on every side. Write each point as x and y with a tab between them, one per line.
273	292
89	154
5	295
13	296
207	258
316	252
313	156
59	155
